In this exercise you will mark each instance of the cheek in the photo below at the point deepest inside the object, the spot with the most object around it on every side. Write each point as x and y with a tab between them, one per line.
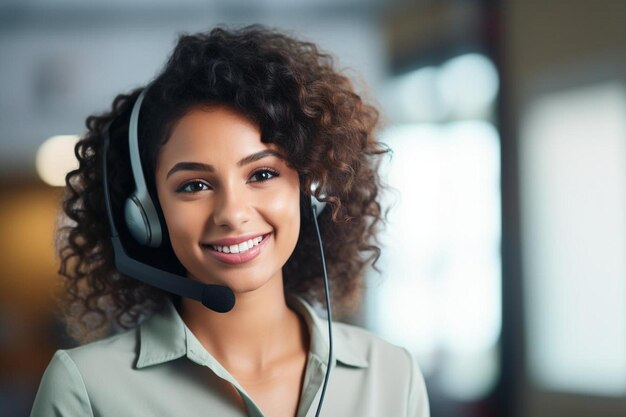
285	214
181	223
176	223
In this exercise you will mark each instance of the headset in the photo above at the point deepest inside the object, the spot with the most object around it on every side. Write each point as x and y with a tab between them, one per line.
144	225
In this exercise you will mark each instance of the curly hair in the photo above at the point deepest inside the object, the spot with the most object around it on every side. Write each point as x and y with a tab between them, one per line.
302	104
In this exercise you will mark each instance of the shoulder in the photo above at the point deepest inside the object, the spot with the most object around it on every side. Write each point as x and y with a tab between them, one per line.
107	359
65	385
390	365
360	343
121	348
362	339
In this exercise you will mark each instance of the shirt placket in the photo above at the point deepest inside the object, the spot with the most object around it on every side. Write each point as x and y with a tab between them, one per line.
197	354
313	379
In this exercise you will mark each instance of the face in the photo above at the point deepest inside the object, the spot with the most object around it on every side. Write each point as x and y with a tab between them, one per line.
230	201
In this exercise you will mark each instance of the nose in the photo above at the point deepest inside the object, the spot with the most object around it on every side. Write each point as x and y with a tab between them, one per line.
232	208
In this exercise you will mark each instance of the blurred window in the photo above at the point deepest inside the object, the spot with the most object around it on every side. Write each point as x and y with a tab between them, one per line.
440	293
573	190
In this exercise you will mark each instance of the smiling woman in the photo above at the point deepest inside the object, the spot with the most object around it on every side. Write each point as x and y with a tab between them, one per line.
232	136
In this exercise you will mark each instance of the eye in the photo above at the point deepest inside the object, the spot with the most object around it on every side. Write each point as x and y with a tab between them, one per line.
263	175
192	187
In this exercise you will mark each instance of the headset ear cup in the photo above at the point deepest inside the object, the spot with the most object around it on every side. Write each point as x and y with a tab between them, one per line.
143	221
136	220
319	205
307	202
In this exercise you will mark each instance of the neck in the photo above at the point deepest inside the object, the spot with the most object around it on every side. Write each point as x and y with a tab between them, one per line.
257	331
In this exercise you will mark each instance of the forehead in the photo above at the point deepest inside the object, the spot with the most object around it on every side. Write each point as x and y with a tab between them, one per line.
219	134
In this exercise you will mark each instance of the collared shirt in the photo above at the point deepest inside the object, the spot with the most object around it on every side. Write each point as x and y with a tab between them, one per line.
161	369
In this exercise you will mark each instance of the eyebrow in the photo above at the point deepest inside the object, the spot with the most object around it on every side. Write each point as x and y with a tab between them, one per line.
199	166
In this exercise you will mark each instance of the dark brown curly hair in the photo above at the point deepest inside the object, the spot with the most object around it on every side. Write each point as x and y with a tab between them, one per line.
302	104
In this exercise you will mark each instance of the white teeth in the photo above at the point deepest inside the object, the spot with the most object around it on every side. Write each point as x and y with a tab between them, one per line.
240	248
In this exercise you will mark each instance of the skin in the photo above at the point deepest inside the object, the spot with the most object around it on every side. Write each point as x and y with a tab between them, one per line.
261	342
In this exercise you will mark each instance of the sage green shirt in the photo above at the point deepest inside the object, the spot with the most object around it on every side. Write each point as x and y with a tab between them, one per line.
161	369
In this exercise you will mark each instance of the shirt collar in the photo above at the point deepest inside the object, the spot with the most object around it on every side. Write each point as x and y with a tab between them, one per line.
162	337
165	337
344	351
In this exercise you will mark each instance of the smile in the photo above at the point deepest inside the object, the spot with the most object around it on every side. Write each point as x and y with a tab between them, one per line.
237	253
241	247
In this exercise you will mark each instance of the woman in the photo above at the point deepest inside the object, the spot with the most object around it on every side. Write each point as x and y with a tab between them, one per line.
235	134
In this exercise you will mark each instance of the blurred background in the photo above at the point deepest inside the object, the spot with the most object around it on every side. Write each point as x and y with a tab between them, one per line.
504	261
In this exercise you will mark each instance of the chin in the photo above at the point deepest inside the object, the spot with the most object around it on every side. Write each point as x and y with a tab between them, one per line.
240	282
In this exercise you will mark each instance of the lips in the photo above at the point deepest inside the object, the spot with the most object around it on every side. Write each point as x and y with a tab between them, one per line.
227	241
237	250
238	247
